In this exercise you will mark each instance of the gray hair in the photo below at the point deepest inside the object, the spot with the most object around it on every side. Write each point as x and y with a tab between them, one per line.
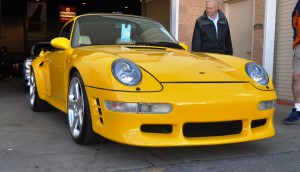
216	1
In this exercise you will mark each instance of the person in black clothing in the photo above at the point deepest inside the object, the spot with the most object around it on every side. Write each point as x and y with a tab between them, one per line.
211	32
2	65
6	66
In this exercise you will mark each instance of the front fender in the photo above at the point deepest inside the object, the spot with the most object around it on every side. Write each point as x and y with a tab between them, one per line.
97	73
239	64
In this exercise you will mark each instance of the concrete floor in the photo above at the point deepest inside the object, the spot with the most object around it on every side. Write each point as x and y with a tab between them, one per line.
32	141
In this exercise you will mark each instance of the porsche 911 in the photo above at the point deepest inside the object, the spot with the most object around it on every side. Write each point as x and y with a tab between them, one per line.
125	78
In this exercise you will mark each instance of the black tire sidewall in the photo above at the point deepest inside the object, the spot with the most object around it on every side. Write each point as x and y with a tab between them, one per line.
87	124
36	98
39	105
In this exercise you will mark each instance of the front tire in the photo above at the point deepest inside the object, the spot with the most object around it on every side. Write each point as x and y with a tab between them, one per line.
36	103
79	115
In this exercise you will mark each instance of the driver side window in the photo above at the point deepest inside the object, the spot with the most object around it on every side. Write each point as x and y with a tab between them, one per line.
66	31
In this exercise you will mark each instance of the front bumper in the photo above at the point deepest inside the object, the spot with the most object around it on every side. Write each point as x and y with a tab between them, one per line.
231	107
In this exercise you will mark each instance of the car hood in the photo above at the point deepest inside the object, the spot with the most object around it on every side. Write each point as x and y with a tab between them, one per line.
171	65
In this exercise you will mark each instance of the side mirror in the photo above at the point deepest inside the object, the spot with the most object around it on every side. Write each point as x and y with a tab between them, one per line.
60	43
184	46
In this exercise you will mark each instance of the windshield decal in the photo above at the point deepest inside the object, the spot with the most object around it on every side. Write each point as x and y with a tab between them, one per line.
125	33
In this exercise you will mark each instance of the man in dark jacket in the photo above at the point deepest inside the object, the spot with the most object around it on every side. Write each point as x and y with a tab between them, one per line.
211	32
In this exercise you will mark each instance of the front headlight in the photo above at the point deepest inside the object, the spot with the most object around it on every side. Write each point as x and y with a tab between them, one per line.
27	63
257	73
126	72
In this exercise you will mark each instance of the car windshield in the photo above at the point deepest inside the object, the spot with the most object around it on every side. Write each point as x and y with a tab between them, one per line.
120	30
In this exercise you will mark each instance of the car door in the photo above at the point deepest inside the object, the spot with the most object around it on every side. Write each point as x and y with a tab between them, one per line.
57	67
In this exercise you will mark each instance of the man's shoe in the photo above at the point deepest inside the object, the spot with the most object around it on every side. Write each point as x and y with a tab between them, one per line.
292	118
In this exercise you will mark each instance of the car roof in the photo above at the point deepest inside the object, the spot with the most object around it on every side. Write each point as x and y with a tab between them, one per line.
108	14
112	14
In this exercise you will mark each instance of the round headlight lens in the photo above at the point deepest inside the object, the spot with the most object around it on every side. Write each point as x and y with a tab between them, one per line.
257	73
126	72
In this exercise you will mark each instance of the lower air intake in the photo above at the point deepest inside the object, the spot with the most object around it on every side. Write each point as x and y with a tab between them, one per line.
212	129
258	123
164	129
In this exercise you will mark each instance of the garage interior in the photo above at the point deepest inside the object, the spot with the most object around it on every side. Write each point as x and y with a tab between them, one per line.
18	35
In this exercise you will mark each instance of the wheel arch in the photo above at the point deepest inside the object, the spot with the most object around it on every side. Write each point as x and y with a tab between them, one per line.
72	70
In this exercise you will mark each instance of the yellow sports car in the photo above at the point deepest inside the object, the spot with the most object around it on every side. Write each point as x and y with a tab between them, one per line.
125	78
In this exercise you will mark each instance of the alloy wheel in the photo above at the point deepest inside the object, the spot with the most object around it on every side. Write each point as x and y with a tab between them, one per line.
32	88
75	107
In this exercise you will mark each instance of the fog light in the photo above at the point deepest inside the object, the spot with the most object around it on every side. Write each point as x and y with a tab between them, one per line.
121	106
264	105
155	108
139	108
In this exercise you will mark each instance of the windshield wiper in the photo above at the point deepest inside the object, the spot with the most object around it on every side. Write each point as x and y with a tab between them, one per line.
161	44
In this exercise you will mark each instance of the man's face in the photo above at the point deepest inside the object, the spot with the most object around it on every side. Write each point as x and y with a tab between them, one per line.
211	9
